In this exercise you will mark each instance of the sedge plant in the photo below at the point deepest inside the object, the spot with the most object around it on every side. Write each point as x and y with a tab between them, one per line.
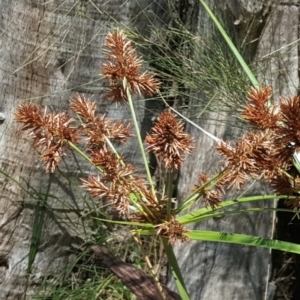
269	151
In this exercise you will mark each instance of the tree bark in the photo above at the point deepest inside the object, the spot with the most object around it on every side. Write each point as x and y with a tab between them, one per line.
49	51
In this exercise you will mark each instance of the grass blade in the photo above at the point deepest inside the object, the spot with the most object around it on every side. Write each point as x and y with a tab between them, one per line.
175	270
201	213
242	62
243	239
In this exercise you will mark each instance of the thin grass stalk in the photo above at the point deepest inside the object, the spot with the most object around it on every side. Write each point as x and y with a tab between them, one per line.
37	229
138	135
152	271
73	146
242	62
169	192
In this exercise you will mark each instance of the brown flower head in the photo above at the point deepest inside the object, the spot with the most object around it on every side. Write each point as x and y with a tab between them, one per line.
84	108
112	165
98	128
173	230
122	62
285	184
210	197
31	117
117	183
168	141
95	186
288	131
257	111
252	157
51	132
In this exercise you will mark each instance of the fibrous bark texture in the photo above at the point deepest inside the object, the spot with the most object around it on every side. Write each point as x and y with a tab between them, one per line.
49	50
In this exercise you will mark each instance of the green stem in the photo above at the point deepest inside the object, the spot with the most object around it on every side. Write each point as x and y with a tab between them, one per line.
73	146
113	149
138	135
190	200
169	192
175	269
231	45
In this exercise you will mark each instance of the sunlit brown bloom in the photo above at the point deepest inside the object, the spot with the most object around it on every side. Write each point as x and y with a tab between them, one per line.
173	230
122	62
286	184
257	110
211	198
117	193
51	157
51	132
85	108
288	131
250	158
117	183
95	186
31	117
168	141
107	160
99	128
102	128
112	166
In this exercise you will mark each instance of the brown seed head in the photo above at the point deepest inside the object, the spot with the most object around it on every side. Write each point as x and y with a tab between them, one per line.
257	111
51	132
122	62
173	230
168	140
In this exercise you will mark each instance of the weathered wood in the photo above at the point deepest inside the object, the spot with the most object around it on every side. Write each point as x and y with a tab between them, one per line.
49	51
141	284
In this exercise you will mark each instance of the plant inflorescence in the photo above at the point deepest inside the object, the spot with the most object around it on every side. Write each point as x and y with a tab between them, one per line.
268	151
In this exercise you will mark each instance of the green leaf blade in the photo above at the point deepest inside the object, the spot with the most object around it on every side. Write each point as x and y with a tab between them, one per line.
243	239
203	213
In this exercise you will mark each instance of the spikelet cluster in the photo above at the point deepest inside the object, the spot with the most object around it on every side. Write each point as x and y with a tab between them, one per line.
117	182
267	152
123	63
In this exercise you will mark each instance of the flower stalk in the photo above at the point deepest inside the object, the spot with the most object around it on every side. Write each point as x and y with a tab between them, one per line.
138	134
